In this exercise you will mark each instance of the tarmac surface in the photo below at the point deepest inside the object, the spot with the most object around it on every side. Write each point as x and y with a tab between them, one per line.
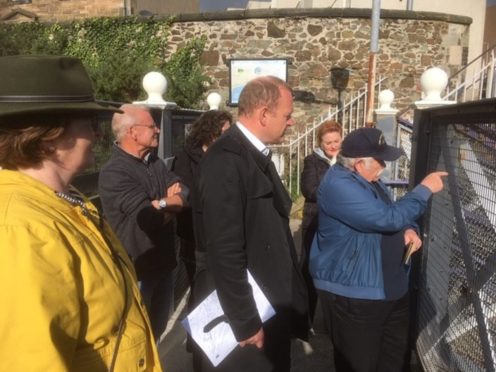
313	356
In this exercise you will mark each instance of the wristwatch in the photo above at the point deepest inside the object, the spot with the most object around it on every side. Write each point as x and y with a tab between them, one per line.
162	203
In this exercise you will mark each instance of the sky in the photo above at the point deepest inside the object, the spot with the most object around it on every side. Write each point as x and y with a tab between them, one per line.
213	5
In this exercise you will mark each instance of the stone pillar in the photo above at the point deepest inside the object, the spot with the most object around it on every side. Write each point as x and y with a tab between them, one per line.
155	85
433	82
386	122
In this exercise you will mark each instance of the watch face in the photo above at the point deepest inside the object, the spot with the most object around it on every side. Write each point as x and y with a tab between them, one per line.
162	203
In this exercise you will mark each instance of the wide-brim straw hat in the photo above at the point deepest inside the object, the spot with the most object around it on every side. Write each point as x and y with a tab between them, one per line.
32	85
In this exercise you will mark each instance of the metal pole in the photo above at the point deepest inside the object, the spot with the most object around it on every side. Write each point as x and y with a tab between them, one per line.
409	5
374	48
376	16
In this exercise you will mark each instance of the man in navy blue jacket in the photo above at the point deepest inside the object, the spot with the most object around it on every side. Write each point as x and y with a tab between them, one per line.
356	258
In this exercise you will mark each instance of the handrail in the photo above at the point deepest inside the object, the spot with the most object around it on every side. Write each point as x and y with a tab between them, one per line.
292	153
477	78
348	104
491	48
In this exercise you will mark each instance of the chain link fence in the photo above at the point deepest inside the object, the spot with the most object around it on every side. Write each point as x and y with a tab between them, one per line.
456	280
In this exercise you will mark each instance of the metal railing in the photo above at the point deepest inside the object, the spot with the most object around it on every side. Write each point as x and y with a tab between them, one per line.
464	85
289	157
456	316
475	81
479	84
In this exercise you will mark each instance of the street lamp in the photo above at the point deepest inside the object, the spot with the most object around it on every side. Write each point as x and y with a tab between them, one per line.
339	81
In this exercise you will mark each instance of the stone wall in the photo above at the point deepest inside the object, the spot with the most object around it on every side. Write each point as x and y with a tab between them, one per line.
317	40
67	10
313	40
59	10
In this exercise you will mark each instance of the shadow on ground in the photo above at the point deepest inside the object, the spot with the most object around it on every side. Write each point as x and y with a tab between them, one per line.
312	356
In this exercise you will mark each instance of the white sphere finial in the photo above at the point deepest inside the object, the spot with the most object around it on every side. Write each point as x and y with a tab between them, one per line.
155	85
213	100
386	97
433	82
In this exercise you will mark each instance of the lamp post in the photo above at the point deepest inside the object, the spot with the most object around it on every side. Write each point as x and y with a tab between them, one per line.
339	81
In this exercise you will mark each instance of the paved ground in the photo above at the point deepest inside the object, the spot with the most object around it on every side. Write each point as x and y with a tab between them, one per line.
315	356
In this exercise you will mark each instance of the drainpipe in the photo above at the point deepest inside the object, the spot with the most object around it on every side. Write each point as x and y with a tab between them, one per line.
409	5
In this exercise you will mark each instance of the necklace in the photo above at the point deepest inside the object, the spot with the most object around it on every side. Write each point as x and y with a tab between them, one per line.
74	200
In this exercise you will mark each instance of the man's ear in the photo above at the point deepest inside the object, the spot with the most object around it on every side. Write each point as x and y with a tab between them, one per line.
358	166
263	113
132	133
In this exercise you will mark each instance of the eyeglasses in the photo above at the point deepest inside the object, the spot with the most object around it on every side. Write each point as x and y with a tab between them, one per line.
149	126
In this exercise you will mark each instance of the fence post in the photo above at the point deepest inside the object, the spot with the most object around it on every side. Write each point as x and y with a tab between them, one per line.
155	85
386	122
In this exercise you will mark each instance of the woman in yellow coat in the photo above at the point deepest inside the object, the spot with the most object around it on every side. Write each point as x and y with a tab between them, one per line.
68	293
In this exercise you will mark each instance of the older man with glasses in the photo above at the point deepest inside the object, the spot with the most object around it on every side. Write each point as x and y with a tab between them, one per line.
139	197
358	258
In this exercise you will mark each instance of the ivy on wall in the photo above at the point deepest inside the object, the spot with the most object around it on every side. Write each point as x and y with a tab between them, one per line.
117	52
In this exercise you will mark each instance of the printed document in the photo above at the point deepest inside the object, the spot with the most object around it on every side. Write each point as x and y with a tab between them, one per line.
208	325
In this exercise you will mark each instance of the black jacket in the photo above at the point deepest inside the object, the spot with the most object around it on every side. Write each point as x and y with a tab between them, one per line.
126	186
314	168
244	213
186	166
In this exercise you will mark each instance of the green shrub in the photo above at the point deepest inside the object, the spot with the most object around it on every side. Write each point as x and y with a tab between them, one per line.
117	52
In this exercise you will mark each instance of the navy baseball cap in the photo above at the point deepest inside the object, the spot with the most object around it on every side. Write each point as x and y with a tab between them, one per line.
369	143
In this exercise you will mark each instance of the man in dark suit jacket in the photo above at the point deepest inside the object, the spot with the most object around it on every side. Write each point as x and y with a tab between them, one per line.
243	224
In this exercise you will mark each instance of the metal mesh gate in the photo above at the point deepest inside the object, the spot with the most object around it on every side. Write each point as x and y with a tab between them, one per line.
456	312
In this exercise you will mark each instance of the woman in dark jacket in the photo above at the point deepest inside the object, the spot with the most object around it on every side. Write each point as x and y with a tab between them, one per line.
329	137
204	131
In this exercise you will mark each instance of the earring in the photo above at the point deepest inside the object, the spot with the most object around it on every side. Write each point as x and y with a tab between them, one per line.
50	149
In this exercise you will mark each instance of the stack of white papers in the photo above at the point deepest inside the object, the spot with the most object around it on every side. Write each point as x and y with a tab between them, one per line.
208	325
